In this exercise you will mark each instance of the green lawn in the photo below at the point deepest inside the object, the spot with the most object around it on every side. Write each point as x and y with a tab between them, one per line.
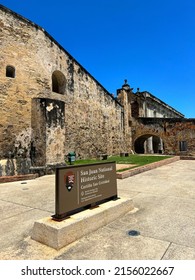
137	160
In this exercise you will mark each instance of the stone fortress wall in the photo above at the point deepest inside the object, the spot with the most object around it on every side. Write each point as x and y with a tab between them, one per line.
148	137
51	105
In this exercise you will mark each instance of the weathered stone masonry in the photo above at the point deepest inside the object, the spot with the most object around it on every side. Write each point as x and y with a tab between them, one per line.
178	135
50	104
155	126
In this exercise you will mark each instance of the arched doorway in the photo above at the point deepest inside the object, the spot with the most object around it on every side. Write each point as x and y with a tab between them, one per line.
149	144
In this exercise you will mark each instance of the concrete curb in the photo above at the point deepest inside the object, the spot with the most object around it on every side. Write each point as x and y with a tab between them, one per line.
59	234
187	157
14	178
138	170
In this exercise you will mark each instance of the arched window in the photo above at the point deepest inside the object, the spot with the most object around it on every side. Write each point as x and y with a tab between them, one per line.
10	72
58	82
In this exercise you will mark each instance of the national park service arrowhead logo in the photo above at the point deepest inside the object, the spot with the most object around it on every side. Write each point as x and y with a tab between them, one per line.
69	179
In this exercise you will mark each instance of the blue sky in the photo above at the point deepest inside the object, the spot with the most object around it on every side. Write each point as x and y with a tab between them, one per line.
148	42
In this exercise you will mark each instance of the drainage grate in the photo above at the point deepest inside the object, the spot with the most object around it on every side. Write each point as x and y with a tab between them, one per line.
133	233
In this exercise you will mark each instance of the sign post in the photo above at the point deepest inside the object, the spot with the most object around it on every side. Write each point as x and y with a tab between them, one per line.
82	186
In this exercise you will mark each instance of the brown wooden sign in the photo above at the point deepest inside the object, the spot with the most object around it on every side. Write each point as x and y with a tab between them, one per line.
82	186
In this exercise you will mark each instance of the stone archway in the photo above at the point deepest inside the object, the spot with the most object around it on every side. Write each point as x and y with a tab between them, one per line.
149	144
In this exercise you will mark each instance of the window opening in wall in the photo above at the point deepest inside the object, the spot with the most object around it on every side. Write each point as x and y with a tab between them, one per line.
58	82
10	72
183	146
122	120
135	109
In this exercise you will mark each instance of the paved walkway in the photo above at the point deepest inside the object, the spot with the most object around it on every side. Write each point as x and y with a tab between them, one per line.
164	214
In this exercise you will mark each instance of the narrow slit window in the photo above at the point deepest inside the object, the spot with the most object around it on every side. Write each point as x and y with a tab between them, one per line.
10	72
122	120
